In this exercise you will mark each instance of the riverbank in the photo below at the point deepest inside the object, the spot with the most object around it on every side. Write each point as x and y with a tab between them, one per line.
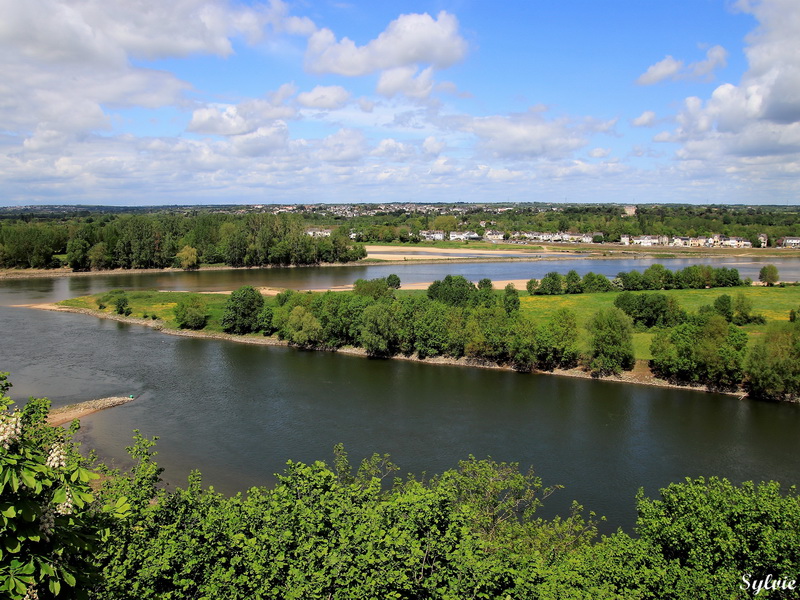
640	375
417	254
67	414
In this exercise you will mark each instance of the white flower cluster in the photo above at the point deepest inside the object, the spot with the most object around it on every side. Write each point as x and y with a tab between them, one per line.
65	508
10	428
57	459
31	594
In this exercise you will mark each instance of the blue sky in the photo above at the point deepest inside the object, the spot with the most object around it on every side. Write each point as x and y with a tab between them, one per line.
217	101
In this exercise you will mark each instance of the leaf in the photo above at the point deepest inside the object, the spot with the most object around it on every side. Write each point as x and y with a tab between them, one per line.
8	510
69	578
55	586
28	478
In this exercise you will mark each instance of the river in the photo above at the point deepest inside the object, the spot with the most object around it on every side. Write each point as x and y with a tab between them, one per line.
239	412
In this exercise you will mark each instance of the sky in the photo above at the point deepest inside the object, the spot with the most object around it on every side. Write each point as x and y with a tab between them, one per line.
152	102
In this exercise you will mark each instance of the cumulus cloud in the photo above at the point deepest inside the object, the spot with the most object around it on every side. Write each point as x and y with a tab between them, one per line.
433	146
670	68
263	140
526	135
748	131
402	80
344	146
599	152
408	40
243	118
66	63
391	148
324	97
646	119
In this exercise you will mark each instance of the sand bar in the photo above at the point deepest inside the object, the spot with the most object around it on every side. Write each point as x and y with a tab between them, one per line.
66	414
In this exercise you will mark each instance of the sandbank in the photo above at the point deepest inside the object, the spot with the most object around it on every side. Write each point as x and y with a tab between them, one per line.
66	414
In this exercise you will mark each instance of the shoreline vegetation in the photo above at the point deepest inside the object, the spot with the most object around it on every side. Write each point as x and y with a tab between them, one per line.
640	375
400	254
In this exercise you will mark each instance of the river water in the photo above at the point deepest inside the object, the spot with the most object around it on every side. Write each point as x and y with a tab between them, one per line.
239	412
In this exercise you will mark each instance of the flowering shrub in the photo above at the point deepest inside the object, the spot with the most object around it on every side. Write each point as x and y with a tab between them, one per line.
49	524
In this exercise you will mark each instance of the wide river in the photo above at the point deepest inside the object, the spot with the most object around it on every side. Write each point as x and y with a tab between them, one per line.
239	412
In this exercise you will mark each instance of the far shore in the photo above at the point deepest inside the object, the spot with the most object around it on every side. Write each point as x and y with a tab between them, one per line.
640	375
403	255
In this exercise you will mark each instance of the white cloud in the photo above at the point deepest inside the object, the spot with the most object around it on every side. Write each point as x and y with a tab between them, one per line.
401	80
243	118
408	40
526	135
433	146
670	68
324	97
646	119
393	149
749	133
263	140
599	152
344	146
663	69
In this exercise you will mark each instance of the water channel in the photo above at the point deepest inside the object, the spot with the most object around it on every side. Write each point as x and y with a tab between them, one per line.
239	412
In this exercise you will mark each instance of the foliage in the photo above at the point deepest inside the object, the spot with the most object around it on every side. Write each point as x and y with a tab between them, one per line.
531	286
557	341
78	254
393	281
454	290
187	258
706	349
161	239
121	304
511	299
190	313
768	275
650	310
773	367
50	525
374	288
573	283
551	284
611	342
242	310
594	282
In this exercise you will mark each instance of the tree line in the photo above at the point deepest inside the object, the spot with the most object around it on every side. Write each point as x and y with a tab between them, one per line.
669	220
347	531
655	277
457	319
160	240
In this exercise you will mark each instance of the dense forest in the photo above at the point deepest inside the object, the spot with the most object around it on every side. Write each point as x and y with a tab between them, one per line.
71	528
158	240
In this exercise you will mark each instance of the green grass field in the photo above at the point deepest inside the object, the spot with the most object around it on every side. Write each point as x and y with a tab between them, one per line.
160	304
774	303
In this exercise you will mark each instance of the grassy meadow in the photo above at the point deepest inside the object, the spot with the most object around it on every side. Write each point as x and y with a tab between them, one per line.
774	303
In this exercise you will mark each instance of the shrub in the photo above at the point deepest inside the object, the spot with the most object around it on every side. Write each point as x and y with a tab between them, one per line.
190	313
